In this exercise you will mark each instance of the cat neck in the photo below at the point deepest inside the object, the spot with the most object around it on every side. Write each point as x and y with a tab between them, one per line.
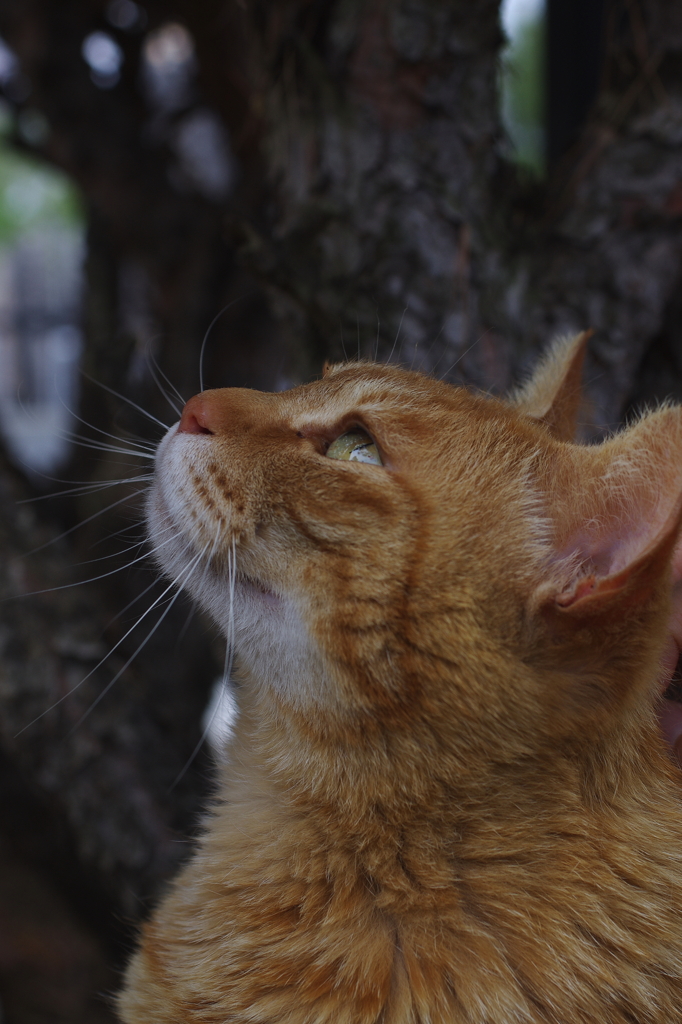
389	788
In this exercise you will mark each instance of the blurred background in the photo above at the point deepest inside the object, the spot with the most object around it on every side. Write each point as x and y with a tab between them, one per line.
443	183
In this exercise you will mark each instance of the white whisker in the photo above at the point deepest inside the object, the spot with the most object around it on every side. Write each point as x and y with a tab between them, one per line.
130	604
343	344
117	554
84	522
131	659
100	447
118	533
135	653
73	689
397	335
87	488
152	369
167	379
210	327
185	625
459	359
123	398
71	435
227	667
93	579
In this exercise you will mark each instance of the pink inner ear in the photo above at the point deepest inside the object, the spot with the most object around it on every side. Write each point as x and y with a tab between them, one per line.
605	547
620	513
630	579
584	587
674	649
677	563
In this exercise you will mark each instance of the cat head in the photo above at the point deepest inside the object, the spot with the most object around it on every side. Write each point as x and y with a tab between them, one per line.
389	551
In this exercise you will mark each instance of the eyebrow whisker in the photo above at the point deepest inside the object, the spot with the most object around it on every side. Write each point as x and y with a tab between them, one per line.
123	398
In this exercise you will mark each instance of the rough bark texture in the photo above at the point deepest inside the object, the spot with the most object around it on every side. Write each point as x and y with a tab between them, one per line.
382	137
397	215
607	253
373	209
90	811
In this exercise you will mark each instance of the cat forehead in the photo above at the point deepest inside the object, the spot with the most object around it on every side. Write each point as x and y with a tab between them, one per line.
375	388
398	407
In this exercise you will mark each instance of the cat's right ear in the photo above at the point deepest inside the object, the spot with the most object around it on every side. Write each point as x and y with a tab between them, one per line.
553	393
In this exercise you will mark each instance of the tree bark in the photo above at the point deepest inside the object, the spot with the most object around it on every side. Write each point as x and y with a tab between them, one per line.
374	210
397	216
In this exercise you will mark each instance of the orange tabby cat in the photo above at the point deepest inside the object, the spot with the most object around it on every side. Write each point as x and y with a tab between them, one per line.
447	799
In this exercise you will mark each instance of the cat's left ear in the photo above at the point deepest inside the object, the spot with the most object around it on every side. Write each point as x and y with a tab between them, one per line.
552	395
617	510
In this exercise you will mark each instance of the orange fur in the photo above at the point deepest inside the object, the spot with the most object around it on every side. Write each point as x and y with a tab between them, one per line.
447	800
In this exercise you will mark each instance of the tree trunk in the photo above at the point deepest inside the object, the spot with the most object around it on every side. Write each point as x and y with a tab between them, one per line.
372	210
396	217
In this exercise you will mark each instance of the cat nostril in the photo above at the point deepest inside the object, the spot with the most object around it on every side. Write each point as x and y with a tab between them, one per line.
193	420
190	425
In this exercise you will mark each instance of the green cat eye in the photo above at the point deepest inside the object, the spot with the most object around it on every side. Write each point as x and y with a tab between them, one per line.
355	446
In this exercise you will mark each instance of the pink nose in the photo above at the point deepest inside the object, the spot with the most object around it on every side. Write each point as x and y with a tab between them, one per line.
196	417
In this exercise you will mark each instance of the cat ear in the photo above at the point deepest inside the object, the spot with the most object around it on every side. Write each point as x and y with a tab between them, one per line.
618	514
326	367
552	395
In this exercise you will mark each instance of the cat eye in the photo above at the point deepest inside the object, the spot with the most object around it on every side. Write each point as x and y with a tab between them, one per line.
355	446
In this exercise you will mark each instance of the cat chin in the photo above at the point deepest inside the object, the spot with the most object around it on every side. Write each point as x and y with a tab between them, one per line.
266	630
257	591
270	639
